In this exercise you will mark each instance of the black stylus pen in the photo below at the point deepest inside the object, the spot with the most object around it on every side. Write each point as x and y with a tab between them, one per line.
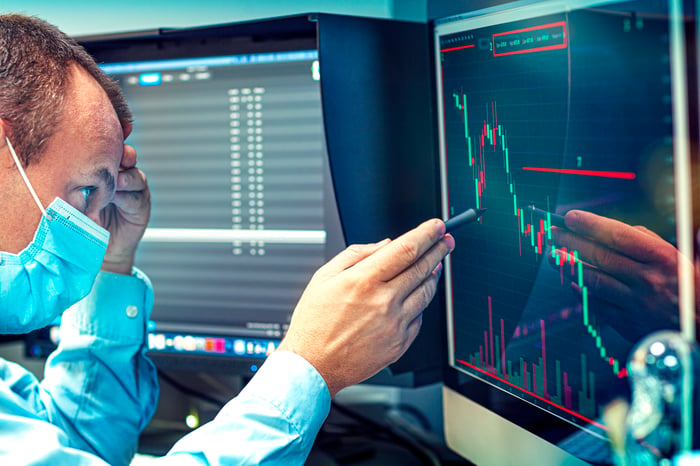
553	219
465	217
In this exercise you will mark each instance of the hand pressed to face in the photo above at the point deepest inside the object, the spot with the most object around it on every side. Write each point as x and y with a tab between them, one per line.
126	217
363	309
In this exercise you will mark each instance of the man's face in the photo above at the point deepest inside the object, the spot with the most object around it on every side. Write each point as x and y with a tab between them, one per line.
80	163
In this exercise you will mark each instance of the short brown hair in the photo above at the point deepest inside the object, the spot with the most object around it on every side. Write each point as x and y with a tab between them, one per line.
35	58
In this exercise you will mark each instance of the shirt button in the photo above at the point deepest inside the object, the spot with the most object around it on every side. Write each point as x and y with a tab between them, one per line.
132	311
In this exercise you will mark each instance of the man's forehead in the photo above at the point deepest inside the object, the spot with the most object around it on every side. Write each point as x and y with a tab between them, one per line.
91	131
95	127
88	107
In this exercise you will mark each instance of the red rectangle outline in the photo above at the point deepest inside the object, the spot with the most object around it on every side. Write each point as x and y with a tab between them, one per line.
532	50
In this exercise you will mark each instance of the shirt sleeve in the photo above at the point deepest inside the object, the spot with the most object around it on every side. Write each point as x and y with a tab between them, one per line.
99	388
274	420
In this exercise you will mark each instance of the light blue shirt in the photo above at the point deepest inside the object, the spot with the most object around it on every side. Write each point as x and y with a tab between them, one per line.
100	390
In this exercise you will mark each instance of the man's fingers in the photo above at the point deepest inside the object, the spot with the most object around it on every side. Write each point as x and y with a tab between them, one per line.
131	202
595	253
419	297
616	235
132	194
647	231
405	250
351	256
411	278
131	179
599	283
128	157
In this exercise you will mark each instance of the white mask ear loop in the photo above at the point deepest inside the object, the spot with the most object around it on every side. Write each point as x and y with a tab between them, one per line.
24	177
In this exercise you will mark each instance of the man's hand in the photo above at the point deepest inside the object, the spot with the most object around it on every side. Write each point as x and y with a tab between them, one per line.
631	269
363	309
126	217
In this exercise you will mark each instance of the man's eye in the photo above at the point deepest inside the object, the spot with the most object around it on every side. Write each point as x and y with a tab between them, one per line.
87	191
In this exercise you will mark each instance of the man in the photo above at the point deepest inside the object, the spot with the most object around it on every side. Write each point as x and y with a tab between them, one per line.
67	183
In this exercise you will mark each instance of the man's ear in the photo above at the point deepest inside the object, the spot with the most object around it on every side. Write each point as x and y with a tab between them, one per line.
6	160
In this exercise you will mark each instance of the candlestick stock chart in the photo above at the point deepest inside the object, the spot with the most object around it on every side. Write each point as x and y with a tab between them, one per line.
538	113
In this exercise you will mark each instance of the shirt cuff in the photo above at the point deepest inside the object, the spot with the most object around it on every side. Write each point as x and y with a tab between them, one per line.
117	308
291	384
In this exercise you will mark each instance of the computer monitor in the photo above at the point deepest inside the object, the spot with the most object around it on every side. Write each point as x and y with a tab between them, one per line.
557	105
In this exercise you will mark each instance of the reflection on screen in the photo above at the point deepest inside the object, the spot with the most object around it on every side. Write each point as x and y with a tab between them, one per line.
560	111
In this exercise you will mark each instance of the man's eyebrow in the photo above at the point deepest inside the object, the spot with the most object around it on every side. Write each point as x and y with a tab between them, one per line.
107	178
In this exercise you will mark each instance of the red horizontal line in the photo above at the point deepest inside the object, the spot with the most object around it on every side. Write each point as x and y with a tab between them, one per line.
457	48
598	173
573	413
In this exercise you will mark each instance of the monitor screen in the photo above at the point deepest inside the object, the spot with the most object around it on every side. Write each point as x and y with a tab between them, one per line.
546	108
234	153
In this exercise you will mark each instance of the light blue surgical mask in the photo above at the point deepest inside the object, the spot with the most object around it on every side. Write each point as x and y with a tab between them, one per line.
55	271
